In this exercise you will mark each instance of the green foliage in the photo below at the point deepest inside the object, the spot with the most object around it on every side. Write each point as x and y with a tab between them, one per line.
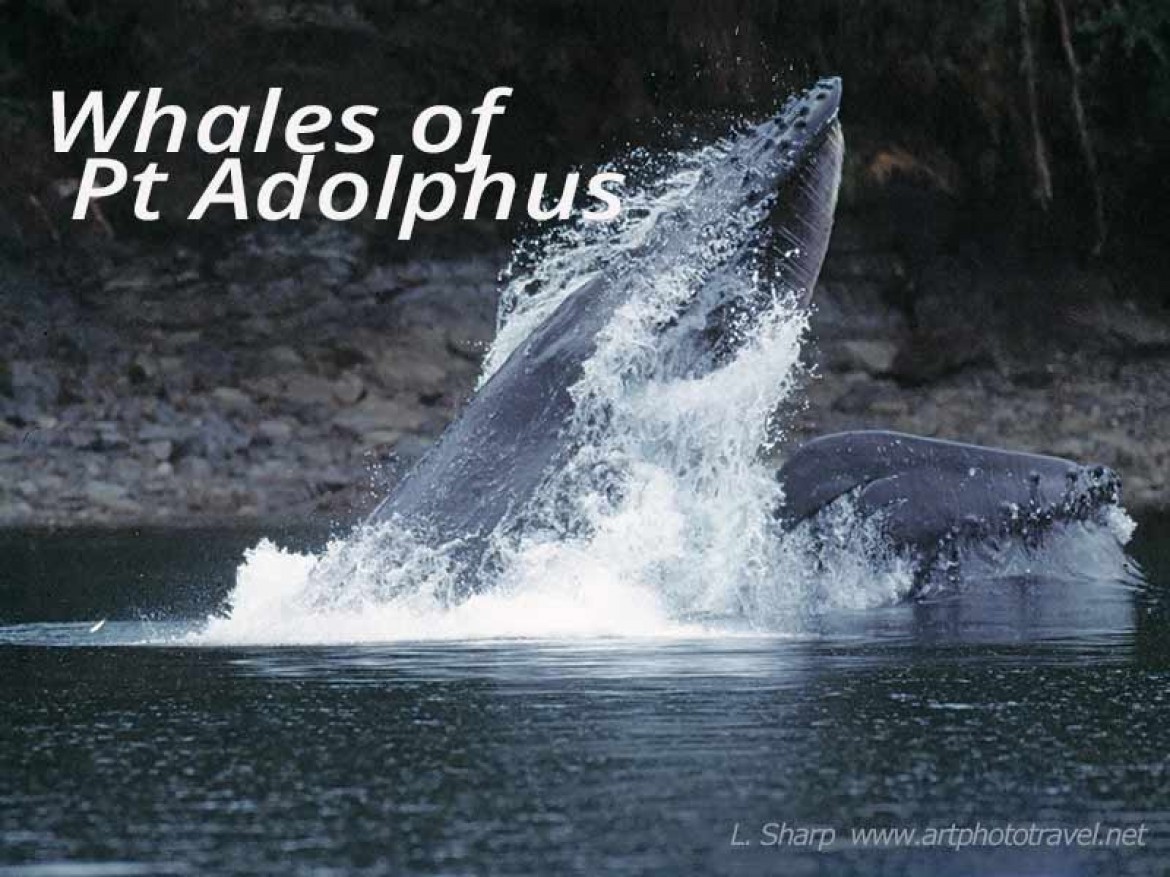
48	41
1140	25
1141	30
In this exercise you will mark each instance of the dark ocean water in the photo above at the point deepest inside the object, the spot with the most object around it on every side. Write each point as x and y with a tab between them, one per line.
1033	704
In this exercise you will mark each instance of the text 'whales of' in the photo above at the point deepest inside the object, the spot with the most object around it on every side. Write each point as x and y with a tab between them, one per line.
228	130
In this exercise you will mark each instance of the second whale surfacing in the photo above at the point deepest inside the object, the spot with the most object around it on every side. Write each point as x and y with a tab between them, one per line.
776	185
934	497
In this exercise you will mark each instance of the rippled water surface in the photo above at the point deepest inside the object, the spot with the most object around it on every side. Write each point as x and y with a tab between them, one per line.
125	750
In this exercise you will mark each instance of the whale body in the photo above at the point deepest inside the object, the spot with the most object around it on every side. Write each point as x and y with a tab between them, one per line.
925	493
480	480
482	474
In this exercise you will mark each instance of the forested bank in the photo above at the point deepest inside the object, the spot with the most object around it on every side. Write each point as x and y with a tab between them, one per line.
997	273
1044	123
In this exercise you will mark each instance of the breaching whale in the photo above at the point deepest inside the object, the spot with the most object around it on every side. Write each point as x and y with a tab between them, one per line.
482	473
781	177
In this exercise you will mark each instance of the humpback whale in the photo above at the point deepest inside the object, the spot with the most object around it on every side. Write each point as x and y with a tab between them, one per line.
779	179
480	477
926	494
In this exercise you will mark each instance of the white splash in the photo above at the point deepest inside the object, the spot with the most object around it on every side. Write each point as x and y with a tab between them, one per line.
664	515
544	271
350	594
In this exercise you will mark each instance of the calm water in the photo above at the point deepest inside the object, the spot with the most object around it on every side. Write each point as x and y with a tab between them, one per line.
1022	702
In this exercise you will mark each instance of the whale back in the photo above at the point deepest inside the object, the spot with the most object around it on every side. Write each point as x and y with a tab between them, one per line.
926	490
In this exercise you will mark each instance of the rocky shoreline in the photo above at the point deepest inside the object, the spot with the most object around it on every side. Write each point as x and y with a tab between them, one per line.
293	374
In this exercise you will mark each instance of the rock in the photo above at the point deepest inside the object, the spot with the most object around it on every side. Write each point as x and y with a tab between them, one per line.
180	340
381	438
264	388
105	493
282	359
216	438
376	415
929	355
231	399
318	452
858	399
154	432
862	265
349	389
471	348
343	354
142	370
195	468
890	407
275	431
257	327
35	384
1121	449
1070	447
17	512
174	369
1131	330
161	450
333	479
84	439
407	372
12	240
132	278
1034	377
271	471
414	274
858	309
411	447
103	436
875	358
307	389
381	281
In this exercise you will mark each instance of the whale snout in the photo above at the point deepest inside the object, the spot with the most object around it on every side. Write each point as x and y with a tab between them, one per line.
806	120
1089	488
816	107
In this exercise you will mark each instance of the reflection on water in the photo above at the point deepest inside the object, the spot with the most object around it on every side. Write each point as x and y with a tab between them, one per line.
595	757
1021	701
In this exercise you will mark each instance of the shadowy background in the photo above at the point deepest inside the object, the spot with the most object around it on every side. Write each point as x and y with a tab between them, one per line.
996	273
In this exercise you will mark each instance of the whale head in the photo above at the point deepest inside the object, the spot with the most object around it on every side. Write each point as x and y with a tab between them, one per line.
929	494
768	203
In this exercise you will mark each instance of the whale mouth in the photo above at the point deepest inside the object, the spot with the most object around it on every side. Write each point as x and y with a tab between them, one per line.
1090	492
1094	486
807	118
